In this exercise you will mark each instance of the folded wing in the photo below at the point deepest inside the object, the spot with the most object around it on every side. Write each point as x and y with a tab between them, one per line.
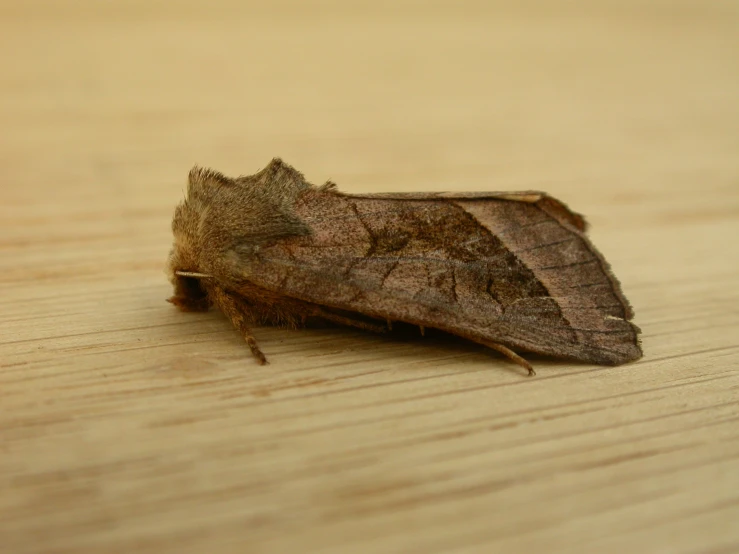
512	268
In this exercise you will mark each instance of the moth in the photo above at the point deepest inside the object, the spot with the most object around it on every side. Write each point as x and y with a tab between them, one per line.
513	271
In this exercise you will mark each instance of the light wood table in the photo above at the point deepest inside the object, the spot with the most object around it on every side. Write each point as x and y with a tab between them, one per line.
127	426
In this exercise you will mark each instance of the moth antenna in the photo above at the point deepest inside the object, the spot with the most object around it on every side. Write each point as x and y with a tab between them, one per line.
192	274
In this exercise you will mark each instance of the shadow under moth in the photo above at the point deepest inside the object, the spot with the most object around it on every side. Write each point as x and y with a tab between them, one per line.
513	271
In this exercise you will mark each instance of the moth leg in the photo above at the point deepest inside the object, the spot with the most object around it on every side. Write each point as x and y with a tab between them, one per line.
510	354
235	310
343	320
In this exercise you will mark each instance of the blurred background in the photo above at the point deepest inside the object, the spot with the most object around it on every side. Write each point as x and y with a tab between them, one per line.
608	93
608	103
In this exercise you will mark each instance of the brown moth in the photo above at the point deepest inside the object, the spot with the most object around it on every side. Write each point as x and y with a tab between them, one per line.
509	270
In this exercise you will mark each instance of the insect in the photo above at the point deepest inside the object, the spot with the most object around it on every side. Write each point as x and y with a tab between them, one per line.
513	271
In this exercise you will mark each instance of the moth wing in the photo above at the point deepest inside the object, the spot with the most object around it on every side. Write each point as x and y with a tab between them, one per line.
542	200
507	267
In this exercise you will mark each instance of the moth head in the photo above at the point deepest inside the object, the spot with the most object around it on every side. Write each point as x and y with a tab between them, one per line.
189	293
183	265
203	227
223	221
192	225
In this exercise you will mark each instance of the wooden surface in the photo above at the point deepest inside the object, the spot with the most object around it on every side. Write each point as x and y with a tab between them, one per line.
126	426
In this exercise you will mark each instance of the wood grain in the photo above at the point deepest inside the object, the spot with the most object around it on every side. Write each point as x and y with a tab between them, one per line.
128	426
